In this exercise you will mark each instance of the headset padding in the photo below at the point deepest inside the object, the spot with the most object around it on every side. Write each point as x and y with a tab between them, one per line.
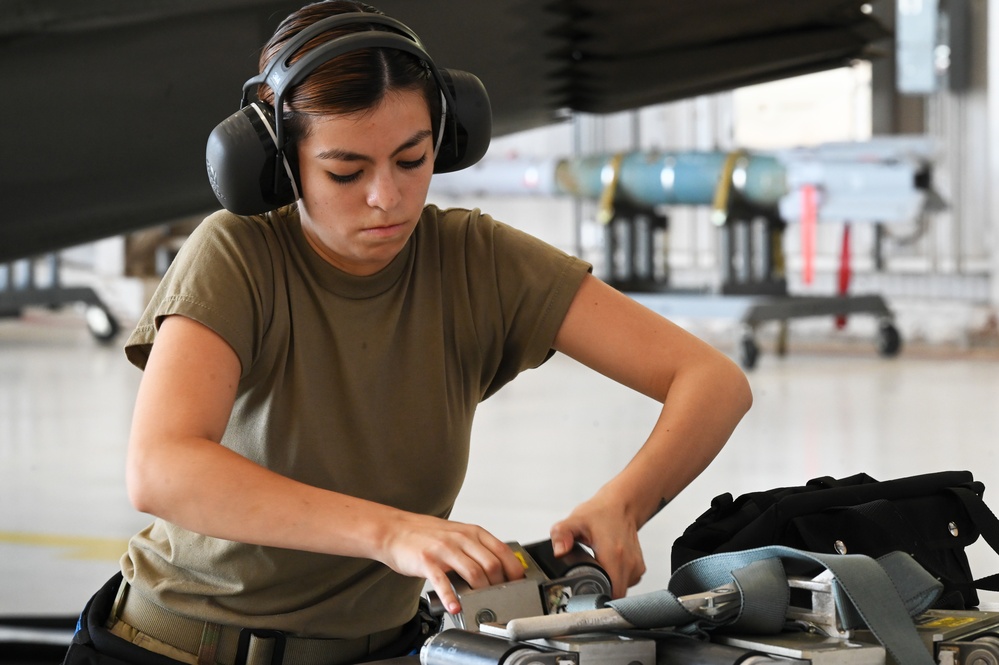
241	164
467	142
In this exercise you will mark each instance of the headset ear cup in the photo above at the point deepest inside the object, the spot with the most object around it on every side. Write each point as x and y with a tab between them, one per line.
469	122
241	158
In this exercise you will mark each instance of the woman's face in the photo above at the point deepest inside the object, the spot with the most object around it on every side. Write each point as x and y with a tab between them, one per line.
364	181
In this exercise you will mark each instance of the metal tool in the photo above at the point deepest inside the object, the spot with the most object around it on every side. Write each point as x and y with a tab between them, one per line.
549	583
716	603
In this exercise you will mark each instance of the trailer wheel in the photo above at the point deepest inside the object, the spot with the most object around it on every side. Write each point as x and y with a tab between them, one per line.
102	324
749	351
889	340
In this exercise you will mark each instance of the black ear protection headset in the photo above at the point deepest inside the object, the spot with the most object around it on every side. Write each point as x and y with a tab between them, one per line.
253	171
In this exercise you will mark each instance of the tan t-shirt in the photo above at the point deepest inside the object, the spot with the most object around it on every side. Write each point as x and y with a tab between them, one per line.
362	385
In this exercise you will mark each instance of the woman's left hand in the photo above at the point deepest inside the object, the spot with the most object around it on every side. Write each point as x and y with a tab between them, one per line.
703	393
612	535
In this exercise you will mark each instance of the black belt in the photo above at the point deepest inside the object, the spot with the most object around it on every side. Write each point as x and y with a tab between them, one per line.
231	645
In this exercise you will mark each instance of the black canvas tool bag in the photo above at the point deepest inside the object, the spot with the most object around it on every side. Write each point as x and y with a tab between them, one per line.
933	517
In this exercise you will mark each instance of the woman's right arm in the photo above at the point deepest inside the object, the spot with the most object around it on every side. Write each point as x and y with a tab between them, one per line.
177	470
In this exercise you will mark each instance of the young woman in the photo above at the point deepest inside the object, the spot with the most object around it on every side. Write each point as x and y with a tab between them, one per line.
310	377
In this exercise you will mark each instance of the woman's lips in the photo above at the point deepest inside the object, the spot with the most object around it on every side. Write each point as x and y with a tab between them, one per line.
384	231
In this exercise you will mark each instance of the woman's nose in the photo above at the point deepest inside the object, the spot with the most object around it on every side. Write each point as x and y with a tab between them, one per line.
384	192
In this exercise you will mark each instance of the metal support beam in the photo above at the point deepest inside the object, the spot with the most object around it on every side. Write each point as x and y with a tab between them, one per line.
993	145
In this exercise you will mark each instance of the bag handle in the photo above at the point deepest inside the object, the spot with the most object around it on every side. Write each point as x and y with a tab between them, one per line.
861	488
988	526
828	482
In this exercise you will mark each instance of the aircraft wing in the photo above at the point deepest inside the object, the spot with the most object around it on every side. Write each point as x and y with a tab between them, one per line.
109	102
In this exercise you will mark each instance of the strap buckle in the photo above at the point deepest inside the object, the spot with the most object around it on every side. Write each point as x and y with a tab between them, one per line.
252	650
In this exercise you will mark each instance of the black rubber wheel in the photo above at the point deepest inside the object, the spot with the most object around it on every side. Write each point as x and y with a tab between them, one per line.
889	340
749	352
102	324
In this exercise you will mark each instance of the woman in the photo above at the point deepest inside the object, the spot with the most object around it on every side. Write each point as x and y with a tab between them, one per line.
310	377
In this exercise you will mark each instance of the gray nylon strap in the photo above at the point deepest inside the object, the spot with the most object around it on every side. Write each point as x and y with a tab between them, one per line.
882	594
655	609
765	597
916	587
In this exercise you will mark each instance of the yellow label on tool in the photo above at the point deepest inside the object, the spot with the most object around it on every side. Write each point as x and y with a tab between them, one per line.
523	561
948	622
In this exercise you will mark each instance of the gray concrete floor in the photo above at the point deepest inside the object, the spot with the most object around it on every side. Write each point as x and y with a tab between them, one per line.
540	446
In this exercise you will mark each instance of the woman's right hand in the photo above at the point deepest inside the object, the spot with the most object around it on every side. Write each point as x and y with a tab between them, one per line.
430	547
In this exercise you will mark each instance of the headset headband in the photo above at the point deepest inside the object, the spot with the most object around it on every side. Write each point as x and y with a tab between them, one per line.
280	75
300	39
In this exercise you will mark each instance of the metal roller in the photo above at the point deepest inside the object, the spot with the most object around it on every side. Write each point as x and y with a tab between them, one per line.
570	576
681	651
459	647
981	651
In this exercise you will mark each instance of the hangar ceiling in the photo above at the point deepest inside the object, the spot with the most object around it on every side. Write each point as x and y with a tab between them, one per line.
110	101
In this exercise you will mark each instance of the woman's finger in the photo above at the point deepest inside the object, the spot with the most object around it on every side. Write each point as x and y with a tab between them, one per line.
445	592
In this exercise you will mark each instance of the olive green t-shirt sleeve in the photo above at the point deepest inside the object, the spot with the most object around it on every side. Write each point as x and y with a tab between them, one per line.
215	279
531	283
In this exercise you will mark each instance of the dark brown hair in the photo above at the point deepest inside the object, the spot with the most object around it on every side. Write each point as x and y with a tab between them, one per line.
353	82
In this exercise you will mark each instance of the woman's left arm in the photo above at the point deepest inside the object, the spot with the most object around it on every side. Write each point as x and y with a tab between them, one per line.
704	395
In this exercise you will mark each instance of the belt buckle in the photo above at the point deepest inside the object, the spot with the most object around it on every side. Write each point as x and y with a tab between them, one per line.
243	645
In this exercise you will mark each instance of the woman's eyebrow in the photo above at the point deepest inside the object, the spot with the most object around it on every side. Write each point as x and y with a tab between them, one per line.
414	140
349	156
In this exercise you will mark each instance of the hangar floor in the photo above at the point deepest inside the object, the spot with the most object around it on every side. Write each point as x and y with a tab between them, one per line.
541	445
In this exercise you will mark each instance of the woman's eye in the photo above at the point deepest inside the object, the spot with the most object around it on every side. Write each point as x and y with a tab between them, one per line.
344	179
413	164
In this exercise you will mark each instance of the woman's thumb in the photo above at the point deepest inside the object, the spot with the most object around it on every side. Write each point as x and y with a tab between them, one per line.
562	540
